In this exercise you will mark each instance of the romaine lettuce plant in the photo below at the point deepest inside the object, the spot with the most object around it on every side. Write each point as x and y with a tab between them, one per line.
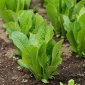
14	5
25	21
44	28
76	35
40	53
9	8
57	8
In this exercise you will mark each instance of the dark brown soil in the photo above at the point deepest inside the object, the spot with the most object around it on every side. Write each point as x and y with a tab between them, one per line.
71	67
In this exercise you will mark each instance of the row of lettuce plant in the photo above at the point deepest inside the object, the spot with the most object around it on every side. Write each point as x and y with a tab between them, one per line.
76	35
68	19
57	8
7	8
33	37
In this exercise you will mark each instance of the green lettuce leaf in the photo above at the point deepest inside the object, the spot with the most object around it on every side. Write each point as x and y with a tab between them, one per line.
42	57
20	40
81	42
56	60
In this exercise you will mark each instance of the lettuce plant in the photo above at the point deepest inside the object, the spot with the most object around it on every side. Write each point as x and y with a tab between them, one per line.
25	21
14	5
40	53
76	35
57	8
9	8
70	82
41	60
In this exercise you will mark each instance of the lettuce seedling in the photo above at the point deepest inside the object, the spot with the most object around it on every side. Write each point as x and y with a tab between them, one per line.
57	8
76	35
41	59
40	53
70	82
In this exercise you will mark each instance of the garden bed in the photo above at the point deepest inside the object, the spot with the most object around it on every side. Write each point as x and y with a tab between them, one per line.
71	67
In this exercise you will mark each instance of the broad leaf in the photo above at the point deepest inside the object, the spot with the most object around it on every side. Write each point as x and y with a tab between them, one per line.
26	4
2	6
71	82
30	58
23	17
20	40
42	57
56	59
81	12
11	4
70	37
81	20
20	62
11	26
49	50
66	23
37	21
81	41
44	34
79	5
53	16
8	16
20	5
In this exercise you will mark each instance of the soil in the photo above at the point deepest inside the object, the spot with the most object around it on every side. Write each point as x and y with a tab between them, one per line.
71	67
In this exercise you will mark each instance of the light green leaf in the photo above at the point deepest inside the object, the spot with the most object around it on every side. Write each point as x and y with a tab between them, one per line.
51	70
20	5
11	26
81	12
42	57
20	40
61	83
30	58
76	28
2	6
11	5
44	34
27	4
79	5
20	62
81	20
71	82
53	16
45	81
70	3
81	41
37	22
66	23
49	49
9	15
32	40
25	29
72	41
41	35
56	59
24	18
55	73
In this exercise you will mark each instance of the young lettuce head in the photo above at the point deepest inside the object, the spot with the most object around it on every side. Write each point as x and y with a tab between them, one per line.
40	53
